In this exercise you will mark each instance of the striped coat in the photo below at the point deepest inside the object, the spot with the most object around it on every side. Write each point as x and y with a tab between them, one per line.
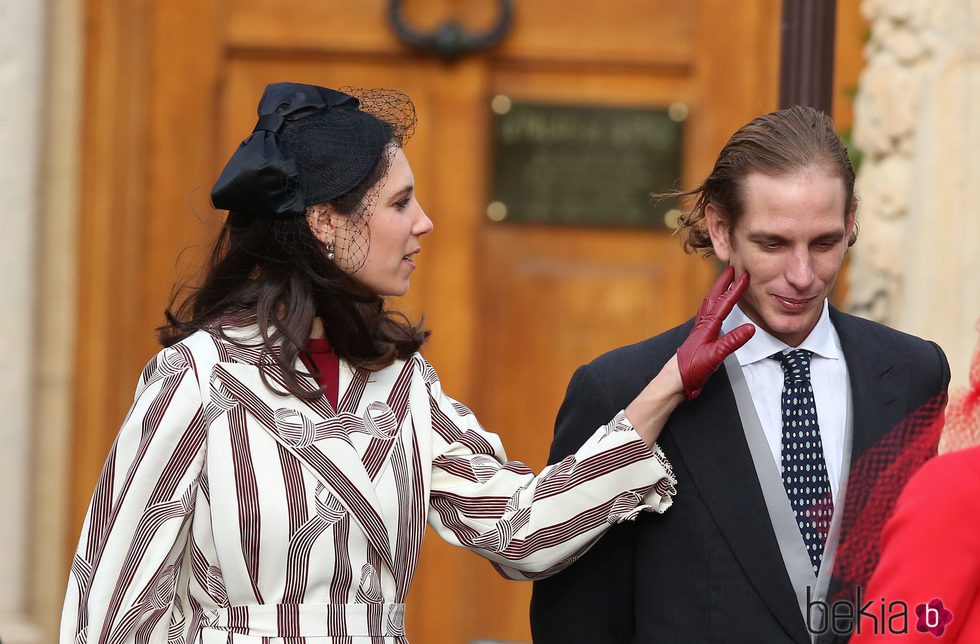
229	513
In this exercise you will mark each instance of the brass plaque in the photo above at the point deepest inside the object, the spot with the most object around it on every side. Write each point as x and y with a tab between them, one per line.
584	165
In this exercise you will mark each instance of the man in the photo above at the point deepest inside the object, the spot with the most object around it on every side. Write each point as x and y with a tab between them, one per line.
746	554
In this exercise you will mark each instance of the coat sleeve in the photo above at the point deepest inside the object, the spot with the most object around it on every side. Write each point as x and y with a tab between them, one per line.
129	576
594	600
529	525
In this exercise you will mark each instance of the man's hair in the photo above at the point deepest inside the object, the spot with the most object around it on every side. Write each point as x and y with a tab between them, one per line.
775	144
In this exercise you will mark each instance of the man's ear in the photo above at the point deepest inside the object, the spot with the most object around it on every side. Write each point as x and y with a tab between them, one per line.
323	223
850	225
718	231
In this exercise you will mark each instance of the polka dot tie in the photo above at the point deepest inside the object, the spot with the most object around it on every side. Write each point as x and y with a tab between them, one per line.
803	467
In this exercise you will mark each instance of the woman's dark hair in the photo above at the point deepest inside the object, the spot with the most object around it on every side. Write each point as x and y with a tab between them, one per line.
272	272
775	144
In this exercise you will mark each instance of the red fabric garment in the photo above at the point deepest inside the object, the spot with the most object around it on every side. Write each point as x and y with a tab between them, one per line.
326	362
931	549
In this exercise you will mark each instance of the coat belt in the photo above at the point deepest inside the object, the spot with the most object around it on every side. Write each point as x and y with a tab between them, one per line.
307	620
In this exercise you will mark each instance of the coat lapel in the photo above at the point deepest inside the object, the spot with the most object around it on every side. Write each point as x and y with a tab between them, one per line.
378	452
709	438
879	383
321	441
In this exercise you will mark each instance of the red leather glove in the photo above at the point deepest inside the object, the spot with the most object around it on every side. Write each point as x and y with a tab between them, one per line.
703	351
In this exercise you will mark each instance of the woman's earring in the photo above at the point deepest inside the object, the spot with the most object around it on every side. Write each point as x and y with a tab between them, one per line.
330	249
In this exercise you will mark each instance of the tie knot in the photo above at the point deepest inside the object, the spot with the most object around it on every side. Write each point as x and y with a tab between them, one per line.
795	364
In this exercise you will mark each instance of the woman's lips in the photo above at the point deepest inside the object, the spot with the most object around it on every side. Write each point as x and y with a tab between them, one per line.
409	257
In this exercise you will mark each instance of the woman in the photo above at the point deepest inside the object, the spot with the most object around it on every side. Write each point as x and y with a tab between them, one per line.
930	548
275	474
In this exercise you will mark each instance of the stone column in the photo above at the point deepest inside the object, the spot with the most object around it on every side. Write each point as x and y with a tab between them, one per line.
21	86
57	241
916	265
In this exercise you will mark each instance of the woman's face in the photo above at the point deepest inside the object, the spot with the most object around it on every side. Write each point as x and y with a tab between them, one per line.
394	230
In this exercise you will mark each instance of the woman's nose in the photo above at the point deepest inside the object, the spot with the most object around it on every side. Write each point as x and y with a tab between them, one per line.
423	224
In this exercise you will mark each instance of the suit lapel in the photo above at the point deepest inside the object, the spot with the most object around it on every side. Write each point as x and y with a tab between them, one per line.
321	442
708	436
878	384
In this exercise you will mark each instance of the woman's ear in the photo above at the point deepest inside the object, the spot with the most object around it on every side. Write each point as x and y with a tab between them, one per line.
322	221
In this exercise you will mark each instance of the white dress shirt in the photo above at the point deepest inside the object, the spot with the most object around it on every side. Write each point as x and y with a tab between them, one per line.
828	374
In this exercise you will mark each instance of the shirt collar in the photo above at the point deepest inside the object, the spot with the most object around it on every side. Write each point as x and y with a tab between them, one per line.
822	341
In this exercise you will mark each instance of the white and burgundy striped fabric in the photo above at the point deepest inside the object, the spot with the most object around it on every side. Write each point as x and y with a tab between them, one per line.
229	513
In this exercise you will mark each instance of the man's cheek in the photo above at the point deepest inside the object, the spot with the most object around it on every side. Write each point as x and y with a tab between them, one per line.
754	297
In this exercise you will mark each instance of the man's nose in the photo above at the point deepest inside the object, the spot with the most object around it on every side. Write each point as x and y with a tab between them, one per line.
800	273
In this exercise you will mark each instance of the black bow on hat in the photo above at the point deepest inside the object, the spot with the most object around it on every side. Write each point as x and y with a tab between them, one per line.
261	177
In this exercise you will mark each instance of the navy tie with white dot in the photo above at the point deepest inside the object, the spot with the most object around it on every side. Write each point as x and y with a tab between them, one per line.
803	466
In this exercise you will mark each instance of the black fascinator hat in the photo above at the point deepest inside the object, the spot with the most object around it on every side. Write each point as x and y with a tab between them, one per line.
311	144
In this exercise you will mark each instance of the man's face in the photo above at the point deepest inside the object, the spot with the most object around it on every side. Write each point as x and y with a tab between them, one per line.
791	239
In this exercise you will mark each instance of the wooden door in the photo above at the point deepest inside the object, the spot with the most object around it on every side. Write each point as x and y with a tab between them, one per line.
171	87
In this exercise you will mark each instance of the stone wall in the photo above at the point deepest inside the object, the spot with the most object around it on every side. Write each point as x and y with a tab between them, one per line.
40	84
916	265
21	87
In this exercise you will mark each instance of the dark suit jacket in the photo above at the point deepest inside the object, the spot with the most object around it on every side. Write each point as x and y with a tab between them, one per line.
709	569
